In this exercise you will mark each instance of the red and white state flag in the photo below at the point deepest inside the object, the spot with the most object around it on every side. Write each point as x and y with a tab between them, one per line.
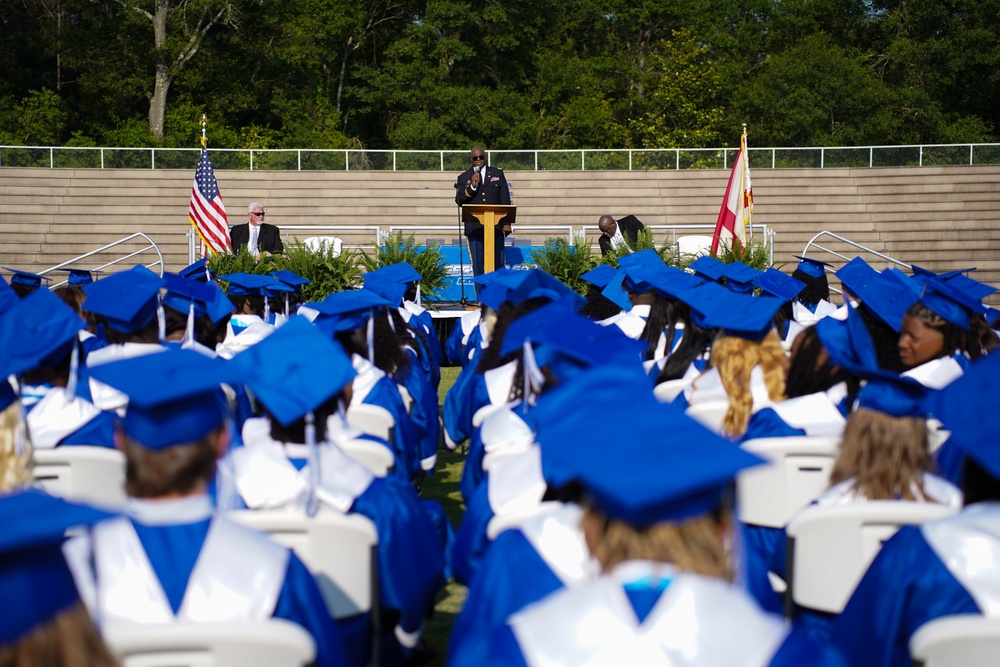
206	212
737	205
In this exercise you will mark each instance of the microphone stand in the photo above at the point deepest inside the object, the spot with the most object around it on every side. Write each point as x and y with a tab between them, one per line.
464	302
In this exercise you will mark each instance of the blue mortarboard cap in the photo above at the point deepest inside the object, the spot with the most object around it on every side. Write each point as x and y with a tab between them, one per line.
555	329
503	275
174	396
600	275
208	298
640	269
811	267
346	311
534	284
385	286
740	315
38	331
965	407
19	277
893	394
127	301
248	284
79	277
954	305
775	283
886	296
35	581
291	279
707	268
615	292
401	272
198	271
665	466
672	282
740	277
848	342
8	298
969	286
295	369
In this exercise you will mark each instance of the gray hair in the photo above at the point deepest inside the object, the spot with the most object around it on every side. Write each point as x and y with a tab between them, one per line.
253	205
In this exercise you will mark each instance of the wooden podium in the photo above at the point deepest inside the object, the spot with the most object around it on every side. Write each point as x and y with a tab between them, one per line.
488	216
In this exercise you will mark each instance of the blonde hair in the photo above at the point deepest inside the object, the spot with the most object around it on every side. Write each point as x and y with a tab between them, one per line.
15	469
695	545
735	358
68	640
887	456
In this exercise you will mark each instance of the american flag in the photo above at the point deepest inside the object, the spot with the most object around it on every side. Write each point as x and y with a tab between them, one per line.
207	212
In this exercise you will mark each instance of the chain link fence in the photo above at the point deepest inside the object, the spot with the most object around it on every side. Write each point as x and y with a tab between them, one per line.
512	160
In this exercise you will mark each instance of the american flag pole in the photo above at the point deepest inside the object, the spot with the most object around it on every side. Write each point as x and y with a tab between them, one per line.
207	212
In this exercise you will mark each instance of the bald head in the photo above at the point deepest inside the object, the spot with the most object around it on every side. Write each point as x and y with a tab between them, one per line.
607	225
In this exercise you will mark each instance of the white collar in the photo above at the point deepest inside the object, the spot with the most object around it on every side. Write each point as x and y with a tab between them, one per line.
174	511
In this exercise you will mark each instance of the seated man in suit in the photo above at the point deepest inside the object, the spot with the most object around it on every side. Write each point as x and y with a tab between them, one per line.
614	233
258	237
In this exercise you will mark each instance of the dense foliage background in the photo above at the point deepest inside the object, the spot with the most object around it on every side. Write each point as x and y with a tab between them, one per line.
445	74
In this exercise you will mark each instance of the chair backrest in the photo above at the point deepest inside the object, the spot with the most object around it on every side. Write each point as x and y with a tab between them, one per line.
78	472
375	456
771	495
273	643
709	415
665	392
339	549
956	641
694	244
372	419
316	243
829	548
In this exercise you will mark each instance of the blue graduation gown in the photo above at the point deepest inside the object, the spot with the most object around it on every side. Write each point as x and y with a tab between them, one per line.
467	395
423	413
173	550
385	394
906	586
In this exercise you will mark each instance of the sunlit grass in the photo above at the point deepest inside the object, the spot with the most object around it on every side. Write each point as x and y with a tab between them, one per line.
443	487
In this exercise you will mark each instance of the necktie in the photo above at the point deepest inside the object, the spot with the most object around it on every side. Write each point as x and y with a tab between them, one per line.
253	238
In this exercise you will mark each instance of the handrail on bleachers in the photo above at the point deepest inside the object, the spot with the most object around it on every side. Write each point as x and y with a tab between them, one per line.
812	243
71	262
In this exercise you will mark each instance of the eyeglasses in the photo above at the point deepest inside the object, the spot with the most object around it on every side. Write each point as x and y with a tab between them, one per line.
258	214
478	157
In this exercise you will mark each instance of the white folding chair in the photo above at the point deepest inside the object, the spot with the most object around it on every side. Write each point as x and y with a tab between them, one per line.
694	244
372	419
273	643
665	392
82	473
709	415
829	548
316	244
957	641
339	549
771	495
376	457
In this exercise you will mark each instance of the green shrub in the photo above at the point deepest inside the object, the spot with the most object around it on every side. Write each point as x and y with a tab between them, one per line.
429	261
566	262
643	241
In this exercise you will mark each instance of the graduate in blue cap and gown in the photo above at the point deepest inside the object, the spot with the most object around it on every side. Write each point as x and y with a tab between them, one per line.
557	345
600	306
293	459
655	518
24	282
172	557
287	302
40	339
43	621
883	456
747	360
411	309
128	305
813	302
252	322
407	359
489	381
941	568
349	317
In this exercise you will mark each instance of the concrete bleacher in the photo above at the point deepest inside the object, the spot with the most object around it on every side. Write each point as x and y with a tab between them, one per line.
939	217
